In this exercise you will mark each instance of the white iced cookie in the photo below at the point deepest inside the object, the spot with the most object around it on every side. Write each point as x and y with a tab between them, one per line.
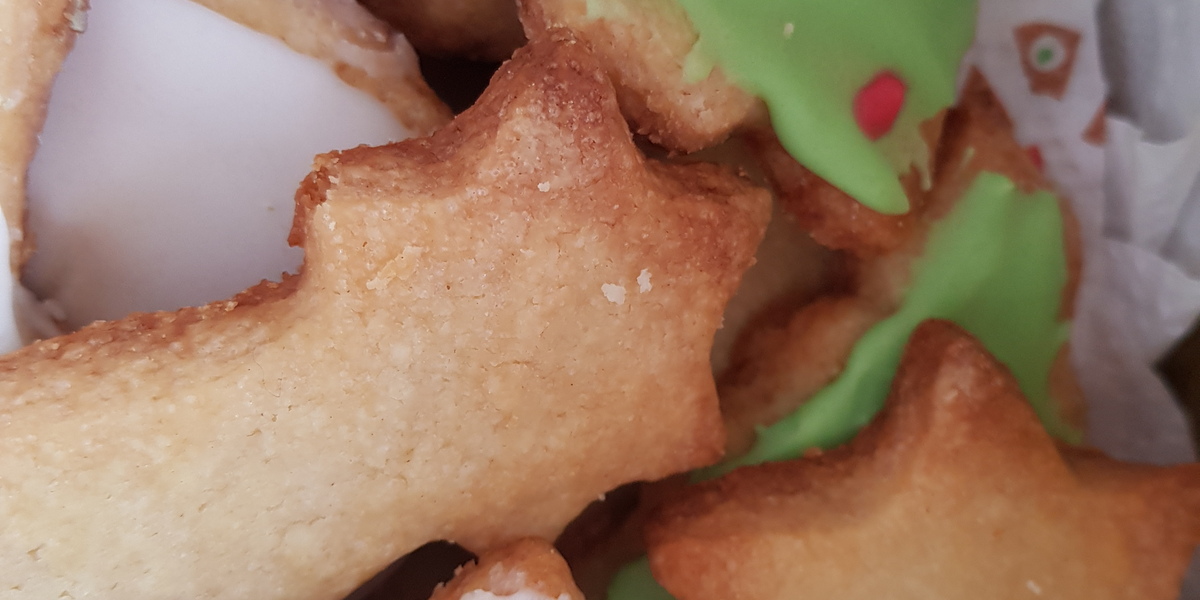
177	134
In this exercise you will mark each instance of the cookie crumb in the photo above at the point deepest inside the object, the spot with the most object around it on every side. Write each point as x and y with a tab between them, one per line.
615	293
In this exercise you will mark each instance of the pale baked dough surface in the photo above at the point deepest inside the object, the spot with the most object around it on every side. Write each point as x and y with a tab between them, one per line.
453	362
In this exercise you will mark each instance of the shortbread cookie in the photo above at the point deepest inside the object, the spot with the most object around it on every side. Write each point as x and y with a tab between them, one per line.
955	491
644	46
493	326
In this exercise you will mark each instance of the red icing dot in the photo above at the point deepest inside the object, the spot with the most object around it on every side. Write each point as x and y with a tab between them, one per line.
878	104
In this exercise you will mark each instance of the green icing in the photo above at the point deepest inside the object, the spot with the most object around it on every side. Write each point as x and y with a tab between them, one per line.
635	582
996	266
808	59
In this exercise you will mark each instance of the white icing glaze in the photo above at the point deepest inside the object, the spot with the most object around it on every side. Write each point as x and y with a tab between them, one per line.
173	146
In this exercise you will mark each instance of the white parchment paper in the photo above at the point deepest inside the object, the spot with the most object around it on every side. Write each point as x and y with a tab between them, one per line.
1134	183
1136	200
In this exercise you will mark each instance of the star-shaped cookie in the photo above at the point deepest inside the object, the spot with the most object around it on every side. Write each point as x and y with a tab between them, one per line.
493	326
954	492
